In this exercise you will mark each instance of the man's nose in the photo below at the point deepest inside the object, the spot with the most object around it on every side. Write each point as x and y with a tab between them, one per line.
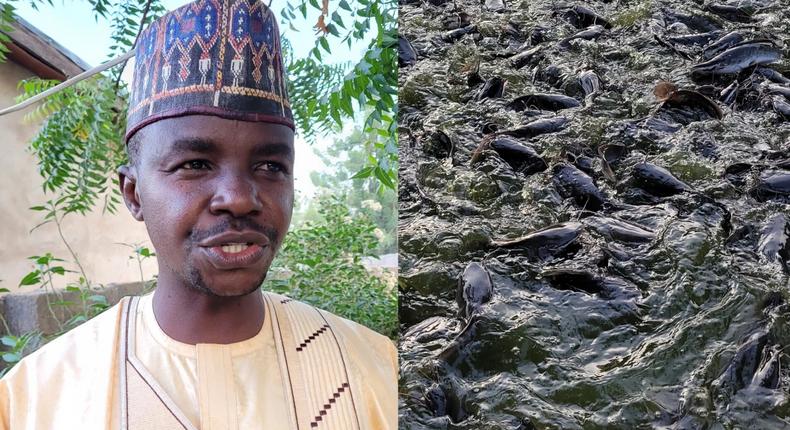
235	194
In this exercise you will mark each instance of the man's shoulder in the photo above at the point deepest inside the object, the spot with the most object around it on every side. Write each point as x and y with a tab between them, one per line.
354	331
84	341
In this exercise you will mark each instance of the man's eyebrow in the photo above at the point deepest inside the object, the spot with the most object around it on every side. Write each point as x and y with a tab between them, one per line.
270	149
194	144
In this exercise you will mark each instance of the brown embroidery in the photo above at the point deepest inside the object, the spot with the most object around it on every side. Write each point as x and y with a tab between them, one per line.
311	338
328	405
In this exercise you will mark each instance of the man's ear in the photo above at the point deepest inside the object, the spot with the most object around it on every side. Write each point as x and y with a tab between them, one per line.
127	179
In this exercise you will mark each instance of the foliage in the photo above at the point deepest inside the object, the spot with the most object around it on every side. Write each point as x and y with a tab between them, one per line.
79	146
17	346
361	194
81	300
323	261
6	18
372	83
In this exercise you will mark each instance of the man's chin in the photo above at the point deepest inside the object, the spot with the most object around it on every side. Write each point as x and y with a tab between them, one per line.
229	286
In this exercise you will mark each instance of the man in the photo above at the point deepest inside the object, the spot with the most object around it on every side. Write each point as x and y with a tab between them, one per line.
210	142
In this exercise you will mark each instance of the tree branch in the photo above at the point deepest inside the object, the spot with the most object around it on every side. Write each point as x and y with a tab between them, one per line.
139	32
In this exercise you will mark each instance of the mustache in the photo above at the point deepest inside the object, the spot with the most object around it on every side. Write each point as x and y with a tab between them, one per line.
235	224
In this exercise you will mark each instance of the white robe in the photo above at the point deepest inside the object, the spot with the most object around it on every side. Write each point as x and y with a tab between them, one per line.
305	369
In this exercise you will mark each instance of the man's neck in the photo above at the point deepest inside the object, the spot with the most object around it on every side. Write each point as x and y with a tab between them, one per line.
190	316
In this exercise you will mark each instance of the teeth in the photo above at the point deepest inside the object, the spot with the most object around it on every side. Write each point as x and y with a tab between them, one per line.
234	248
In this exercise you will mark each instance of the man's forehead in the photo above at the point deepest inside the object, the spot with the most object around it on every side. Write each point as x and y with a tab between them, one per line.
208	134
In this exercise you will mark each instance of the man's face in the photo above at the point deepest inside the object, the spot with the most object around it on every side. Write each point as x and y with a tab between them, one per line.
216	196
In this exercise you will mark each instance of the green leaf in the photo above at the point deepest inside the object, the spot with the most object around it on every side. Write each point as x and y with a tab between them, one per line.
9	340
58	269
384	177
364	173
324	44
10	357
31	278
336	18
98	298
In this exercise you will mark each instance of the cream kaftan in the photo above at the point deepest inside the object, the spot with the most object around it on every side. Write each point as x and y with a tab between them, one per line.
305	369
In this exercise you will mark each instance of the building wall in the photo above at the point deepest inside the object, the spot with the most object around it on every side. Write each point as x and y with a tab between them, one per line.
95	237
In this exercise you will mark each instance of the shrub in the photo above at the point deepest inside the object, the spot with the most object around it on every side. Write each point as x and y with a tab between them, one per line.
321	263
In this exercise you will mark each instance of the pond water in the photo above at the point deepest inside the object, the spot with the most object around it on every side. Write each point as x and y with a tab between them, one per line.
610	181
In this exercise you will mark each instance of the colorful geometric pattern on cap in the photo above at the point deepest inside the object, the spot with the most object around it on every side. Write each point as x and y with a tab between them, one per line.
213	57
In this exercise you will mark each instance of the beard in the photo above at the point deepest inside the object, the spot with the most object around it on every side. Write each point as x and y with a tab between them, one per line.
194	279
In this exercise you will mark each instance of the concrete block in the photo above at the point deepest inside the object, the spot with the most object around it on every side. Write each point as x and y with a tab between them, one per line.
45	311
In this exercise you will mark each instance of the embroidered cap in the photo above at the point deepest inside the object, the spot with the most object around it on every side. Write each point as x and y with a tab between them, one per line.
212	57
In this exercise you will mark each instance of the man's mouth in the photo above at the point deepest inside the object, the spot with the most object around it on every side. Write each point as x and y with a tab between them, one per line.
235	248
235	255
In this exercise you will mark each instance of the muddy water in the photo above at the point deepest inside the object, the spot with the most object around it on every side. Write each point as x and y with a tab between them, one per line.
636	251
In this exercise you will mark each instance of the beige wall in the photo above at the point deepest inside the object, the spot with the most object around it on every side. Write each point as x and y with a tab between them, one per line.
93	237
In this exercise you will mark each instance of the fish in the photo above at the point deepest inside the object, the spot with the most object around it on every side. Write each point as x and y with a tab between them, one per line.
673	98
439	144
695	22
729	95
780	106
454	35
549	102
526	56
736	173
698	39
548	242
737	59
616	230
572	182
723	43
778	90
442	400
492	89
768	373
589	33
538	127
473	78
743	366
773	244
452	350
522	158
772	184
772	75
495	5
657	180
737	13
582	17
590	82
431	329
475	288
406	53
436	400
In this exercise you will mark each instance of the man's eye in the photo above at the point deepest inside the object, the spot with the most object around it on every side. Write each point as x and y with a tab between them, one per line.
271	166
195	165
